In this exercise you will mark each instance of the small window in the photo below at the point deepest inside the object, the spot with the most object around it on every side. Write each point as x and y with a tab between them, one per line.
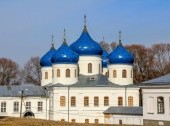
3	106
75	73
99	67
160	105
120	122
130	101
124	74
96	121
73	101
89	68
62	120
62	101
46	75
40	106
58	72
96	101
73	120
16	106
114	74
67	72
28	106
131	72
87	121
106	101
120	101
86	101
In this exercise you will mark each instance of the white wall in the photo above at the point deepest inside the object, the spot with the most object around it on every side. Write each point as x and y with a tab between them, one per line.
151	92
43	80
126	119
119	80
85	60
34	106
63	79
80	112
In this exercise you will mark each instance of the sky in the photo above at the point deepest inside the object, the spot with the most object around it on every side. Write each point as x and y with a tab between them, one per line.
26	26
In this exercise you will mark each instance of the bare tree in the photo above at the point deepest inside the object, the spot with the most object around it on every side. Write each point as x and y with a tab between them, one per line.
113	45
105	46
9	72
32	71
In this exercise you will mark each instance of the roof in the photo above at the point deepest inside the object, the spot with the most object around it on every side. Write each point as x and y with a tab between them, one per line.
160	81
29	90
98	80
124	110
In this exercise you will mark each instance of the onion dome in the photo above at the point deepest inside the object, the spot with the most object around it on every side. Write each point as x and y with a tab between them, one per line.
120	55
65	55
46	59
104	59
85	45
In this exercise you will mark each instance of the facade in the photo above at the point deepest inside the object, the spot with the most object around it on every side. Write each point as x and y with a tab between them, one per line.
84	83
156	101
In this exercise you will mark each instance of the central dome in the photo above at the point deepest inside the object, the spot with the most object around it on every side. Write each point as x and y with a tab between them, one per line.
85	45
65	55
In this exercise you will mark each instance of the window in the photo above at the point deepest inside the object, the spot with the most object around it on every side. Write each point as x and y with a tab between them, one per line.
28	106
73	120
46	75
73	101
120	101
96	101
150	105
120	122
89	68
114	74
62	101
58	72
75	73
106	101
124	73
86	101
3	106
131	72
160	105
130	101
99	67
67	72
16	106
62	120
40	106
86	121
96	121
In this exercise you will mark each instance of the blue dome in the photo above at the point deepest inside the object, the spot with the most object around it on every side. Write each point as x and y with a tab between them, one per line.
65	55
85	45
120	55
104	59
46	59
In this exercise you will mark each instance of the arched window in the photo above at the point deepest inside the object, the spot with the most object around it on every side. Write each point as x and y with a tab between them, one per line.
67	72
58	72
89	68
99	67
160	105
75	73
130	101
114	74
124	73
131	72
86	101
73	101
120	101
62	101
46	75
106	101
96	101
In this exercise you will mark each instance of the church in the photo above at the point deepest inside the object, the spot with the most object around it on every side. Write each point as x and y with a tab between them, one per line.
83	83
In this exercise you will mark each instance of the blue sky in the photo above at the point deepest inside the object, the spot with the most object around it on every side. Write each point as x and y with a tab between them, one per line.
26	26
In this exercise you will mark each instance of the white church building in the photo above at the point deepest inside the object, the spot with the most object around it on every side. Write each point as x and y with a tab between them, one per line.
81	83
